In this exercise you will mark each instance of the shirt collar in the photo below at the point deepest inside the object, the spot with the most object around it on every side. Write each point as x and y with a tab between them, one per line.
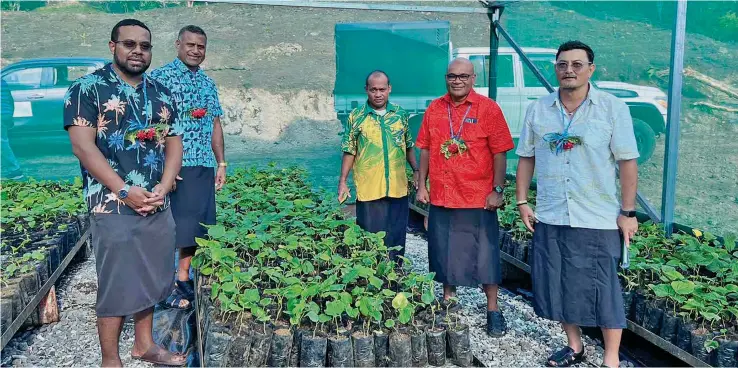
367	109
593	97
118	79
183	68
472	97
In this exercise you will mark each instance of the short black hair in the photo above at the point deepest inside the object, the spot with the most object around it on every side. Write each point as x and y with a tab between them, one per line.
125	23
191	29
576	45
376	72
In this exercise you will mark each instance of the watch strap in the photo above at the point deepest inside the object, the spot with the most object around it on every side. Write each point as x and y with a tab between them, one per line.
628	213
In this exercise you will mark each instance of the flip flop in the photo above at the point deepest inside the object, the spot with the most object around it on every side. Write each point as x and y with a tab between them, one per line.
187	288
157	355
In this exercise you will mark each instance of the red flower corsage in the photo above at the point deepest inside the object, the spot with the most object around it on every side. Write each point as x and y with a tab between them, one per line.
199	113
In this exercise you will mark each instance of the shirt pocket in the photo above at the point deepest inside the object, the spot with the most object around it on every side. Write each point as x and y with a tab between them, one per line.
598	133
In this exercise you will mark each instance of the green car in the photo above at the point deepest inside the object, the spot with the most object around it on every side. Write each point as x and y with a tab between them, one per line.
38	87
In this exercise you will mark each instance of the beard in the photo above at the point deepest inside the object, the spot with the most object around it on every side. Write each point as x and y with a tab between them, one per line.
128	69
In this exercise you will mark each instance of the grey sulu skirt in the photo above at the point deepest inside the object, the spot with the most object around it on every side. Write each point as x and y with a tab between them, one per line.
575	276
134	260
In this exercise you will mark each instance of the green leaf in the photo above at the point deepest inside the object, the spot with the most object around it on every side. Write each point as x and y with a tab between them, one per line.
427	296
390	323
307	267
711	345
207	271
729	241
400	301
350	276
229	287
406	314
683	287
376	282
215	290
709	316
252	296
671	273
334	308
216	231
352	312
313	316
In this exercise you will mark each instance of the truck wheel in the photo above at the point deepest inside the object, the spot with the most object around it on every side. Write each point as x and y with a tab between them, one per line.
645	138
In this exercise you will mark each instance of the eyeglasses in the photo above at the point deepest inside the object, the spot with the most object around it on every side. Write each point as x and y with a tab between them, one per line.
131	45
576	66
461	77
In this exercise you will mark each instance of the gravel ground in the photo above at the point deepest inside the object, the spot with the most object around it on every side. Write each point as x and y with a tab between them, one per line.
73	340
530	339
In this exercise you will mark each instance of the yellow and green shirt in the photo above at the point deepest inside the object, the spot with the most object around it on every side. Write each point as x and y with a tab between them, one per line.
379	144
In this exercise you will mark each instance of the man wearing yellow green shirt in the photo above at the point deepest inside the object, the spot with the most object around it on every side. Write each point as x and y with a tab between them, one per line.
376	144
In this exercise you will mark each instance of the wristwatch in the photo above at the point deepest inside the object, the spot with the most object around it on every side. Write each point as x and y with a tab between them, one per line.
628	213
498	189
123	193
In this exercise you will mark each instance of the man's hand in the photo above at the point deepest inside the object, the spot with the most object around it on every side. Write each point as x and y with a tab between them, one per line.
527	215
494	201
628	226
159	193
343	192
138	200
416	179
422	194
220	178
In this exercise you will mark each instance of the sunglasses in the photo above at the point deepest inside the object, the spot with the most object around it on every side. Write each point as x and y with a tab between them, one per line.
131	45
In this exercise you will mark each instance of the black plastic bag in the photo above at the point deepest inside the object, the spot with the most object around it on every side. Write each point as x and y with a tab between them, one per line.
261	340
381	349
436	346
628	301
363	349
640	307
521	251
727	353
313	349
699	337
296	342
240	349
669	327
460	346
340	351
419	347
218	341
684	335
279	352
400	349
654	315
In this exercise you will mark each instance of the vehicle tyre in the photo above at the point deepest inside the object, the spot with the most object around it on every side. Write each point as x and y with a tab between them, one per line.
645	138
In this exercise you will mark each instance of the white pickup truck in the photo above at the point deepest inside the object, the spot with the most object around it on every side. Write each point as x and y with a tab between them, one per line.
517	87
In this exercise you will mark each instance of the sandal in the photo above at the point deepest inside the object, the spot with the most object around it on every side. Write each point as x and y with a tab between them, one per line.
187	289
565	357
157	355
176	300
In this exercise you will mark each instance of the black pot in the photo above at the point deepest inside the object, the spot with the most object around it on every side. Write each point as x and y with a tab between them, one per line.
400	349
684	335
381	349
436	346
654	315
669	326
313	349
216	350
640	307
628	302
363	349
727	353
698	345
460	346
521	251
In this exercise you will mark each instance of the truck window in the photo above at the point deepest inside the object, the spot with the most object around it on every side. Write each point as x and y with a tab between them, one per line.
505	71
24	79
546	65
64	75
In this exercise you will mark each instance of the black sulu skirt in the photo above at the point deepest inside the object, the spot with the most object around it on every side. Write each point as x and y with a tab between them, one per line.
388	215
575	276
464	246
193	204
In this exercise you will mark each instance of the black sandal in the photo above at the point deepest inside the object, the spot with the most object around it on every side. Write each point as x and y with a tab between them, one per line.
565	358
187	289
175	299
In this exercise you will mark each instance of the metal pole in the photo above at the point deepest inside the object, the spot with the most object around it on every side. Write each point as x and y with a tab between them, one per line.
494	47
668	200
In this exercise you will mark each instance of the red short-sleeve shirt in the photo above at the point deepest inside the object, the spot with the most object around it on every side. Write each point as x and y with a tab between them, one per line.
463	181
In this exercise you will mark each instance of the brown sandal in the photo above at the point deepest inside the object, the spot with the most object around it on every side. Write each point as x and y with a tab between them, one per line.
159	356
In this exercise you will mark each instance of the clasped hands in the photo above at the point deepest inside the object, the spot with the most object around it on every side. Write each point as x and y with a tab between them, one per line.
144	202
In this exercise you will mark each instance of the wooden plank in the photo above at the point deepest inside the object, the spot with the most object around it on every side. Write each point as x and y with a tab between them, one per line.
31	307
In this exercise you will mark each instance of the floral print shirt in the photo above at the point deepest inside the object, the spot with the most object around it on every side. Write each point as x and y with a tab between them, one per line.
132	124
380	144
192	91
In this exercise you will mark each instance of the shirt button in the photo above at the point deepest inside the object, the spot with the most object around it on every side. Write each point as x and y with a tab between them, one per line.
567	162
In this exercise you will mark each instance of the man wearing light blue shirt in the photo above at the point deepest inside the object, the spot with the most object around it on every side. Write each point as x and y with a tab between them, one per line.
575	138
203	162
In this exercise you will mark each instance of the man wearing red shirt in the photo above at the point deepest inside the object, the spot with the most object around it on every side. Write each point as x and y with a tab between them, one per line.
463	141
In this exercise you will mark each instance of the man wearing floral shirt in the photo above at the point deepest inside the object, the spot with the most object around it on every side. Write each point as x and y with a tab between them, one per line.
198	120
376	145
119	122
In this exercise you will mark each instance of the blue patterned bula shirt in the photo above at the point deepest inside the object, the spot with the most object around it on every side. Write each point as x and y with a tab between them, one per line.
192	90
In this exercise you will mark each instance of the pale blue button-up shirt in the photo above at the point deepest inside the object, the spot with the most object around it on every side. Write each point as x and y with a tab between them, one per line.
577	187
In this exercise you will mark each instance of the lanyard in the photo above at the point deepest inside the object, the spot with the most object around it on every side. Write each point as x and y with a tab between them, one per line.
451	122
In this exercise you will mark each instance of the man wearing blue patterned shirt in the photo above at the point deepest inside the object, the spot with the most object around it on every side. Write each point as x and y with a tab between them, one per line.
198	121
